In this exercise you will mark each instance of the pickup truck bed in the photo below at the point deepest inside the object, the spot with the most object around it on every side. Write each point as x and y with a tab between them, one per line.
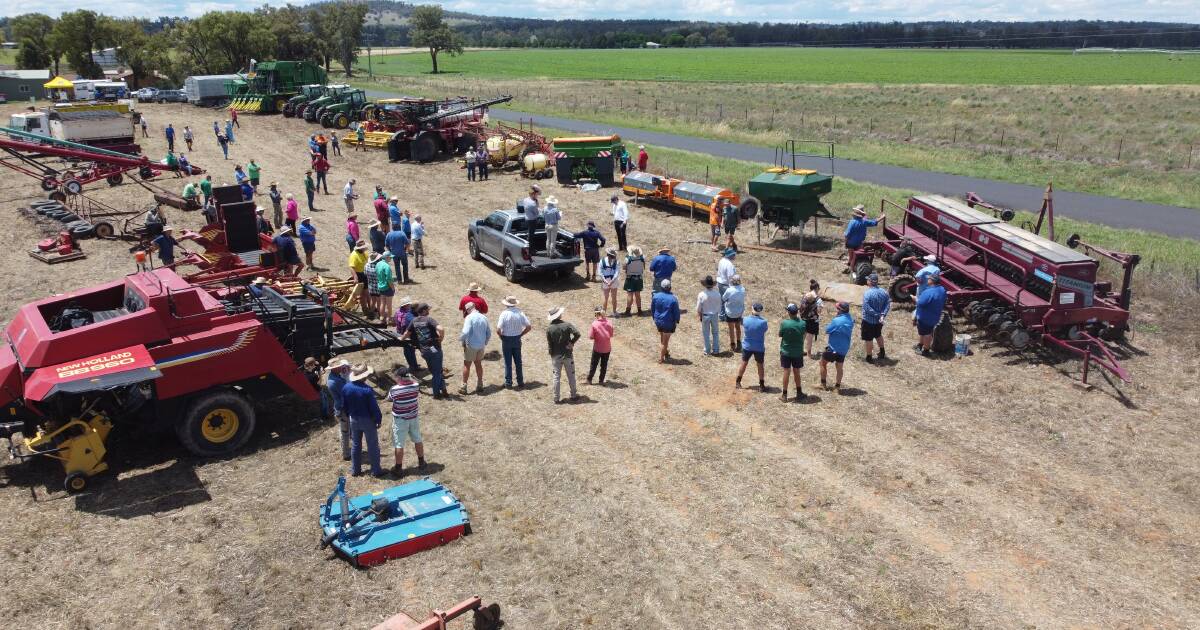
500	239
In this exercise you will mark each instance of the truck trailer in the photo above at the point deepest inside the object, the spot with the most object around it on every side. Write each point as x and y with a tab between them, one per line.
208	89
100	128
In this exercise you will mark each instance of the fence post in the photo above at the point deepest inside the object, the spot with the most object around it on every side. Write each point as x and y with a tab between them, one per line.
910	130
771	125
954	140
1120	145
1057	142
1191	148
871	126
656	104
1002	132
720	111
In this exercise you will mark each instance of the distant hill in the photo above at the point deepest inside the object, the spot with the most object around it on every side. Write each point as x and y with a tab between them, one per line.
387	25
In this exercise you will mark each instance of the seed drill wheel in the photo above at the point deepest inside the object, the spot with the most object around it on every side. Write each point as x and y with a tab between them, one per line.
114	179
1019	338
902	288
104	229
217	423
749	209
943	335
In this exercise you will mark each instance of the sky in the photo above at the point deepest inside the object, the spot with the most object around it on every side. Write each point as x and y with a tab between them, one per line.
707	10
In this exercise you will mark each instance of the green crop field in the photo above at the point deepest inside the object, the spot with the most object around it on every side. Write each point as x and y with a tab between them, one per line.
811	65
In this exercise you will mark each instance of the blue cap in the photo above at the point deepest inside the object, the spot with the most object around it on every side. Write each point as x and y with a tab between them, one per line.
730	252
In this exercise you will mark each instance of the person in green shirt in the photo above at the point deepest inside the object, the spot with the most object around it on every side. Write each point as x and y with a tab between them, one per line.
561	338
360	134
254	170
172	162
189	194
206	188
791	350
310	189
384	281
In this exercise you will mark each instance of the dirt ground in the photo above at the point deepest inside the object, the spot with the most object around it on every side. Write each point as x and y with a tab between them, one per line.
988	491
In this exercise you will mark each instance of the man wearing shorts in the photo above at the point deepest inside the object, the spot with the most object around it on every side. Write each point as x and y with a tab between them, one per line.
928	314
405	423
357	262
753	344
729	216
875	308
664	310
714	225
791	350
476	332
839	330
592	242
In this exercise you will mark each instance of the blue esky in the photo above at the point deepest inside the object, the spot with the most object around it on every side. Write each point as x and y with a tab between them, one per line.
709	10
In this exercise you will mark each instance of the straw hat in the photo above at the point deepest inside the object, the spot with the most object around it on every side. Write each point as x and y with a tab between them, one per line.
930	258
361	245
259	280
474	287
335	364
306	220
168	229
555	313
635	251
360	372
551	200
284	231
641	146
611	251
664	250
510	301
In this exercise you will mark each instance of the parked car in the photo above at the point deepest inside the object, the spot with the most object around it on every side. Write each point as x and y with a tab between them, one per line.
171	96
500	238
146	95
3	98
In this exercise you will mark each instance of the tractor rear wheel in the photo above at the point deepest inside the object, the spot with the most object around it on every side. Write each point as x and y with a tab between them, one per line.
861	271
902	287
424	148
288	110
341	121
216	423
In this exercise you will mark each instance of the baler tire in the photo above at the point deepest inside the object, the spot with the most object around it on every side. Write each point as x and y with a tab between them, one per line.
70	218
45	203
190	428
898	289
83	231
75	482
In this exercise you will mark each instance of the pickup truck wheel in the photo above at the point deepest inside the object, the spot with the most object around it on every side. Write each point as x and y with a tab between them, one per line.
473	247
217	423
510	270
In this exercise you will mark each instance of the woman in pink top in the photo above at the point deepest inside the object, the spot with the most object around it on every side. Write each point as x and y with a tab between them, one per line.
292	212
352	231
601	334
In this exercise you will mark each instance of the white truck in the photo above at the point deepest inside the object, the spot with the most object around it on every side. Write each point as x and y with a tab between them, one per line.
207	89
101	128
100	90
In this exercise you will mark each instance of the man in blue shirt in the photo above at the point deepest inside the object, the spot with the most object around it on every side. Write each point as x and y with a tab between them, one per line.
924	273
396	242
170	133
359	403
663	266
592	242
664	309
285	252
876	305
335	381
754	344
166	244
395	217
856	230
928	314
308	240
838	331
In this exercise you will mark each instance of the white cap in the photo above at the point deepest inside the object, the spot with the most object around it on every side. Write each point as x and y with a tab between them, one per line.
930	258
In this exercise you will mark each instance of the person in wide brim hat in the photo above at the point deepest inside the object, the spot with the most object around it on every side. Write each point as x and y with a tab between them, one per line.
474	287
510	300
555	313
361	246
360	372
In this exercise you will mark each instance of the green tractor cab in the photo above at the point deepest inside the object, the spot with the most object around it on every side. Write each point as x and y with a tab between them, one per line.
316	107
269	85
342	113
308	93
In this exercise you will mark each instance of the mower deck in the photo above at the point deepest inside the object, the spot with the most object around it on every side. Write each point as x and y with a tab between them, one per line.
395	523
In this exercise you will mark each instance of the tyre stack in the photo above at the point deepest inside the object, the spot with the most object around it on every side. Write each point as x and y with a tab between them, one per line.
51	212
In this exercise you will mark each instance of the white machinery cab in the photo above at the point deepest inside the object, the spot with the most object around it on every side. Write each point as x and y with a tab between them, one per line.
33	122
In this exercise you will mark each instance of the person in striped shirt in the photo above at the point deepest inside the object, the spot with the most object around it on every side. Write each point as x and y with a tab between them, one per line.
405	424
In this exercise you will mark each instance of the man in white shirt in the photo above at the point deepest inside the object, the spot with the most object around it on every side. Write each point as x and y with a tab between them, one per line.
511	326
725	273
529	207
620	213
475	334
708	308
349	196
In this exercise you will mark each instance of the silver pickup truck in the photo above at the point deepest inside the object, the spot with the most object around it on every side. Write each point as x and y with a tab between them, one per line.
500	238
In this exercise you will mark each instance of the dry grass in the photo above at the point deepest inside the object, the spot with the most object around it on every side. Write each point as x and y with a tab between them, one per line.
984	492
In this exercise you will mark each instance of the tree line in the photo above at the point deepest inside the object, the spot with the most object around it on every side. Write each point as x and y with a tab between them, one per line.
218	42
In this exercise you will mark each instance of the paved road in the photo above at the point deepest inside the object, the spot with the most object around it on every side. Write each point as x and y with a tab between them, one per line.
1120	213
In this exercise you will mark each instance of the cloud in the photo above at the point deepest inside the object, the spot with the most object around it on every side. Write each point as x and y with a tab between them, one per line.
704	10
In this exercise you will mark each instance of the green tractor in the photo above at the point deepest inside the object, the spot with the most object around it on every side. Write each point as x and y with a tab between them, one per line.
316	107
269	85
308	93
350	108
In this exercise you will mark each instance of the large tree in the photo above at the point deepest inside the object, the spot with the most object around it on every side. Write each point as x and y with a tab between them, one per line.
348	31
79	34
429	30
143	54
225	41
33	32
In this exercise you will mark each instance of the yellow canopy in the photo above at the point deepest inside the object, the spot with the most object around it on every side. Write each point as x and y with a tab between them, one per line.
58	83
